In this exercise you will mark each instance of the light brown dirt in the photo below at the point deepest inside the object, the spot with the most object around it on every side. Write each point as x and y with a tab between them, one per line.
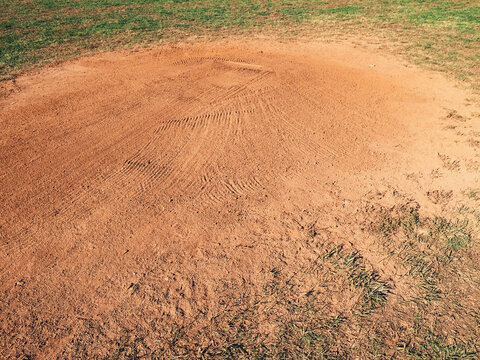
138	188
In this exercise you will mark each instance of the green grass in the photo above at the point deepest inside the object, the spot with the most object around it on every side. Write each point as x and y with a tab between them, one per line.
441	34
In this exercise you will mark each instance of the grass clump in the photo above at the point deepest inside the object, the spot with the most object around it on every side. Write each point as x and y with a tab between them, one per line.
374	290
436	347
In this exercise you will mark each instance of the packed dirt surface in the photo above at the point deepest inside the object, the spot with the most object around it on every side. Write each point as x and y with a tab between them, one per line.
142	191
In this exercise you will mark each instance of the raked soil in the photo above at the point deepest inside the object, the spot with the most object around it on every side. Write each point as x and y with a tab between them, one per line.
139	188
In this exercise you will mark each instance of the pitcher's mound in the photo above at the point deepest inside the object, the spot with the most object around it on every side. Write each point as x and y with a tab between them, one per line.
142	190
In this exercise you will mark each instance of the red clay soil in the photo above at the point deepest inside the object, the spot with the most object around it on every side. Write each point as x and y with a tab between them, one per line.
139	186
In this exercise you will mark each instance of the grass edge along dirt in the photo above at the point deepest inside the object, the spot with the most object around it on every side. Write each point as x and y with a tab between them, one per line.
444	35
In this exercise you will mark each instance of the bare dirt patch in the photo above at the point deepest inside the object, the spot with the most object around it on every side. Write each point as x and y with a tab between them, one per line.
215	200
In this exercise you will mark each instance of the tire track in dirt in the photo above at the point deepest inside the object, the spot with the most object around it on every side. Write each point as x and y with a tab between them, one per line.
196	60
70	206
149	165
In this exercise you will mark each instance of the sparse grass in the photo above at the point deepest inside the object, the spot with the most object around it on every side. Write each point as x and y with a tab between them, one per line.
448	163
427	245
437	253
374	290
439	196
302	323
441	34
473	194
435	347
295	316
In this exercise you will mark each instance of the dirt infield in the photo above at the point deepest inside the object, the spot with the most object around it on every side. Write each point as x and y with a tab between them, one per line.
142	190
